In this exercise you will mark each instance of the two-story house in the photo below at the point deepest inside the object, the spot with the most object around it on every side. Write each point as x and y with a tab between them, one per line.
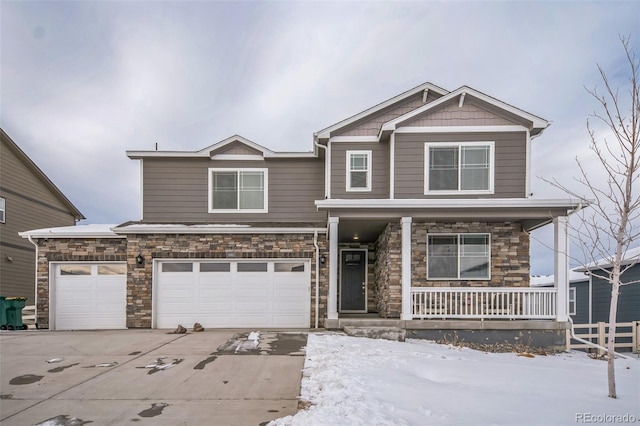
28	200
416	209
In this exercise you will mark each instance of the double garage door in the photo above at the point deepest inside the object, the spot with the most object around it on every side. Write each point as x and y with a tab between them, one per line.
218	294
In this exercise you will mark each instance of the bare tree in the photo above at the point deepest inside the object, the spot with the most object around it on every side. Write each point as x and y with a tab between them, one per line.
608	228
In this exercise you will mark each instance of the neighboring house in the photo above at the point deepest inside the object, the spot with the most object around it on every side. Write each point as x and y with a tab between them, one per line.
590	295
597	302
28	200
417	208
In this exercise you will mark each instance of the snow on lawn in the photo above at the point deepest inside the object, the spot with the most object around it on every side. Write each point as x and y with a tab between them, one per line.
353	381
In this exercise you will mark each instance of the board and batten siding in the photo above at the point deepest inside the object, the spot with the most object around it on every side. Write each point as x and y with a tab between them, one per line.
176	190
379	170
30	204
510	163
582	302
628	300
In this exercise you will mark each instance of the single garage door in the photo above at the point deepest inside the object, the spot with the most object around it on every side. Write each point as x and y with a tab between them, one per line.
233	294
90	296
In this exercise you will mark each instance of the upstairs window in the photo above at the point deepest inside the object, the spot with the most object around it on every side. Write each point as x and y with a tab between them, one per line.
458	256
238	190
358	170
459	168
3	209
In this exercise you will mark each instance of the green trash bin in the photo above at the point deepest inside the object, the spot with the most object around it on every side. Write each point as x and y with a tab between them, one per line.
13	312
3	313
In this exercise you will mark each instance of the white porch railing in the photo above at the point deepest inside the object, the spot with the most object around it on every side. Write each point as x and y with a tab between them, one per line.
485	302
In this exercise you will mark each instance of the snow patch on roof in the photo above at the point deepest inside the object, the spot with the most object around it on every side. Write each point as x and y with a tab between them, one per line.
547	280
78	231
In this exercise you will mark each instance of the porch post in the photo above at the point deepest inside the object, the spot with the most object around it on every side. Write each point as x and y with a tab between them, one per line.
406	269
561	267
332	300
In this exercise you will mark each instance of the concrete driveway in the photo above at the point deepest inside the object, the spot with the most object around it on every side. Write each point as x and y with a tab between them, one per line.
148	377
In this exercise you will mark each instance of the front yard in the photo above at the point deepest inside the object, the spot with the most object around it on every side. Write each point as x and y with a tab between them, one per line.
355	381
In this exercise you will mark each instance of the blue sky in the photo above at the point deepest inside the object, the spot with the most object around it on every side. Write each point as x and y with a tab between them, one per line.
82	82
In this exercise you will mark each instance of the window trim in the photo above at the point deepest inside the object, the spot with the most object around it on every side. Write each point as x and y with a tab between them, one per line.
369	170
265	172
3	209
458	235
459	145
572	299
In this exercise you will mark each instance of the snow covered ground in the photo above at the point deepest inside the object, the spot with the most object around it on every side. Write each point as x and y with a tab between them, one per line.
358	381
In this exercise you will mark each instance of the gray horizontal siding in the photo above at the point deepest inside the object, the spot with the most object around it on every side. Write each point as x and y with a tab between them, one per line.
510	163
18	275
379	170
176	190
29	205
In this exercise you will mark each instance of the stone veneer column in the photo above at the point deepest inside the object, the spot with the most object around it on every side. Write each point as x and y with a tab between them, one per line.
406	268
332	308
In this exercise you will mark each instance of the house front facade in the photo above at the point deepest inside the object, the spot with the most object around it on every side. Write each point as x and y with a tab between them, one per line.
417	210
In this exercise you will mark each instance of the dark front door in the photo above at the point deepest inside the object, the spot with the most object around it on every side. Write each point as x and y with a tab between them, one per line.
353	281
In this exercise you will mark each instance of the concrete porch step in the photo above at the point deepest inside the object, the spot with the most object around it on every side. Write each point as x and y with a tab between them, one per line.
387	333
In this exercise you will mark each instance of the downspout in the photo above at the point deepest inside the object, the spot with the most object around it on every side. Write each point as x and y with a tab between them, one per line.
315	244
326	166
586	342
35	296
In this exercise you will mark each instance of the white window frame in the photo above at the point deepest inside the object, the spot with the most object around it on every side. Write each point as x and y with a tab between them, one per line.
3	210
459	145
572	301
369	170
458	235
238	170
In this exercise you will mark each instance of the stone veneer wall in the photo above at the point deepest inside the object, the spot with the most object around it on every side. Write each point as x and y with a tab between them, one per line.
509	259
236	246
387	272
72	250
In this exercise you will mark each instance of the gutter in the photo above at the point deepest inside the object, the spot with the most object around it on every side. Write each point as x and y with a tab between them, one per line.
35	296
586	342
315	244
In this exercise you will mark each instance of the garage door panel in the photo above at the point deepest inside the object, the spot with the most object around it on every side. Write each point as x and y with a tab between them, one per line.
288	320
92	300
235	294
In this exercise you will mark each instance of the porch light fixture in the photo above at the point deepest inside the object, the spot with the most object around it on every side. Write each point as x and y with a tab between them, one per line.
323	259
139	260
355	237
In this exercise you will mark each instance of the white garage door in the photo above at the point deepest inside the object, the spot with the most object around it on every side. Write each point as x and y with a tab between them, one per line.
269	293
90	296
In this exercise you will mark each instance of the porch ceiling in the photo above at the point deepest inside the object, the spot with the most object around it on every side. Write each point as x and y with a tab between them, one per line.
366	231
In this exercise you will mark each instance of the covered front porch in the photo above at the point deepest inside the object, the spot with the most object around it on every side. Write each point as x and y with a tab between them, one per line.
405	296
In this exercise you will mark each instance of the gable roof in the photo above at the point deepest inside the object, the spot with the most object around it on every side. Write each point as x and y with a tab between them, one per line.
40	175
326	132
537	124
210	151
